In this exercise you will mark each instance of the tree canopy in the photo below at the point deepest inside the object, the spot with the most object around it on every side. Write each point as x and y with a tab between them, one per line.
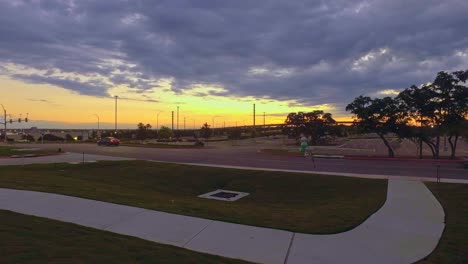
316	124
380	115
439	108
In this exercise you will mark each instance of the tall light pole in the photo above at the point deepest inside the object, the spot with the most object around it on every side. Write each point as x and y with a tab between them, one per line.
4	123
98	128
254	115
172	120
184	122
116	113
263	119
157	120
177	117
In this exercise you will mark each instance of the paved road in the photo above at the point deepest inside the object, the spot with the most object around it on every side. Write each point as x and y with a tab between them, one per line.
251	157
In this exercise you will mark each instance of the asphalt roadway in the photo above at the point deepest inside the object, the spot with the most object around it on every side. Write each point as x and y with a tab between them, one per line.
252	157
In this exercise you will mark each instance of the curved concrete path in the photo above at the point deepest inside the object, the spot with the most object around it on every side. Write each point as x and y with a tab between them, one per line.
407	228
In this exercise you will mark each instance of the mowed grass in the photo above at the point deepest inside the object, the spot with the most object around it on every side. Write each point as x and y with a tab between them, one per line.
453	246
30	239
296	202
7	151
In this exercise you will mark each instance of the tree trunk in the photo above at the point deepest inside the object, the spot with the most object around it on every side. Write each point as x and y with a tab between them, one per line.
453	146
391	154
437	147
420	148
431	147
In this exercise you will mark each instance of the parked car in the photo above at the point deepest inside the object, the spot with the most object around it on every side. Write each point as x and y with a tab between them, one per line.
108	141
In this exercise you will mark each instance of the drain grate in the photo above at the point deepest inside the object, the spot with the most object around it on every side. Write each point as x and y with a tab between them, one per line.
224	195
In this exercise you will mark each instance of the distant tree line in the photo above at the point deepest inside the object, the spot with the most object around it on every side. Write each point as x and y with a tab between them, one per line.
422	114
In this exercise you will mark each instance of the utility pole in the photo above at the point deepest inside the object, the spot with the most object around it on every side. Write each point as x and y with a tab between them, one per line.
116	113
4	124
157	120
5	121
254	116
172	120
98	128
177	117
263	119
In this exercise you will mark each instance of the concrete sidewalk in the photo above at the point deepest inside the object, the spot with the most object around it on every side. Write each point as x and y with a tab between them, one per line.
407	228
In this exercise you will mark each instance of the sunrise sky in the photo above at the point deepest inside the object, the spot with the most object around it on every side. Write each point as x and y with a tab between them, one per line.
63	61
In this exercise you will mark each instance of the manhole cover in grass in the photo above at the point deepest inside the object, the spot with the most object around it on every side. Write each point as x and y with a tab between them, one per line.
224	195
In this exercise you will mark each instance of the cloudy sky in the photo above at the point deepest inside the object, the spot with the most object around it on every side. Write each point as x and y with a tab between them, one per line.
62	61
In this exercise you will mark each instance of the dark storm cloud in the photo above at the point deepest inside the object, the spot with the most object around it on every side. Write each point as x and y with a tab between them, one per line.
84	87
315	52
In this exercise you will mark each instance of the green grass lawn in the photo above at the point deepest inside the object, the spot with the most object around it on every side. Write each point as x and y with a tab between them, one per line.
7	151
296	202
453	246
30	239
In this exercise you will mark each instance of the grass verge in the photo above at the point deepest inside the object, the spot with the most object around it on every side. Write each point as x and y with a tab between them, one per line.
296	202
30	239
453	246
7	151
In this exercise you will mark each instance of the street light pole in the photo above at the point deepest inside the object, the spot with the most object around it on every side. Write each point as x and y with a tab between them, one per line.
157	120
254	115
116	113
98	124
177	117
4	123
263	119
184	122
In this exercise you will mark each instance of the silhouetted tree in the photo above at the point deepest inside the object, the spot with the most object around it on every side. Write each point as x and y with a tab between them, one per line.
381	116
205	131
142	132
441	105
165	133
316	124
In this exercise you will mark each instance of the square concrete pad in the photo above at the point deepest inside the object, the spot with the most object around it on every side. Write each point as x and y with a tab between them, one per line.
161	227
255	244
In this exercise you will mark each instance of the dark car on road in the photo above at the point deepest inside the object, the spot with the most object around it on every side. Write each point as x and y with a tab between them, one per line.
109	141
